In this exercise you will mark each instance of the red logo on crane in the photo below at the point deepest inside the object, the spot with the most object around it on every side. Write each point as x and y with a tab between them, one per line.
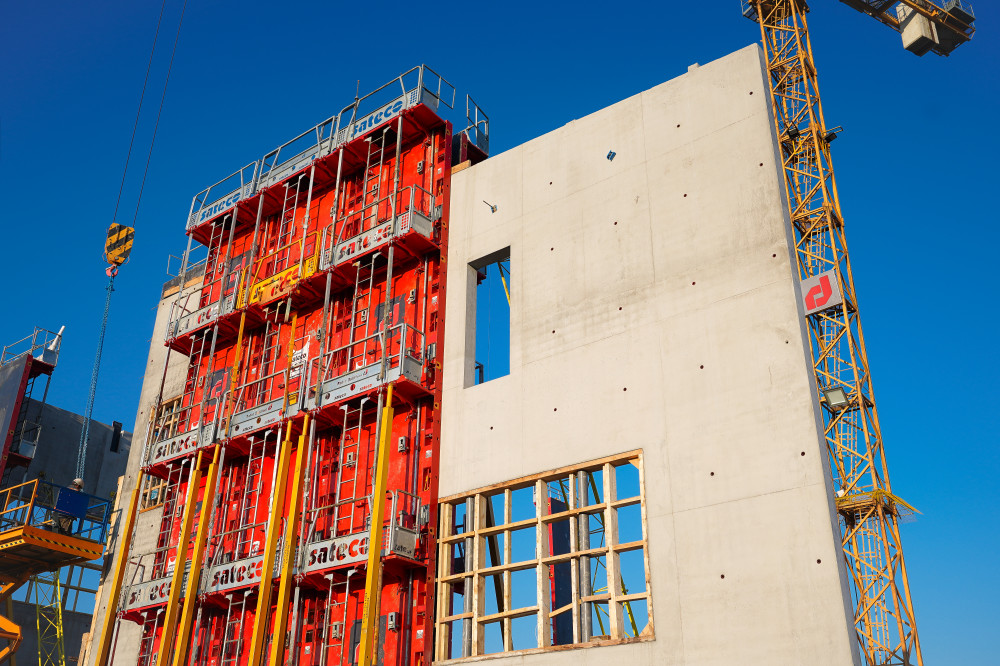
820	292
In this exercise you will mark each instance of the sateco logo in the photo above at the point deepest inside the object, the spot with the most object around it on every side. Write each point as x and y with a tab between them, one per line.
376	118
217	208
821	292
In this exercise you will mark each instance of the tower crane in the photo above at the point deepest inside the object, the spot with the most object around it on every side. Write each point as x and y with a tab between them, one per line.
869	512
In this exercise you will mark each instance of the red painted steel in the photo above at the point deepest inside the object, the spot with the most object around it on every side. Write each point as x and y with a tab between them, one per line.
324	323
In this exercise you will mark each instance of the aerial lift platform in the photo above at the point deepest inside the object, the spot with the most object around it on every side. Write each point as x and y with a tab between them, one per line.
44	527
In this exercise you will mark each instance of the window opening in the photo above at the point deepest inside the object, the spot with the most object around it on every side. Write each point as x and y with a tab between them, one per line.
153	492
491	342
555	559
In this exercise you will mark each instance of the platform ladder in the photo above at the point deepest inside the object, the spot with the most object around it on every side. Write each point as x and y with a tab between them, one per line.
349	459
232	637
374	168
251	496
254	392
286	228
361	316
171	509
147	655
212	270
335	632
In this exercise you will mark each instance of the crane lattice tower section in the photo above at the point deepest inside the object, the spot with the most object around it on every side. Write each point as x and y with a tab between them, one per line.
337	472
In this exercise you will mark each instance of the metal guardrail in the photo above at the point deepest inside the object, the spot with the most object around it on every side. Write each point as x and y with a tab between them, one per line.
41	344
418	85
47	506
223	195
295	155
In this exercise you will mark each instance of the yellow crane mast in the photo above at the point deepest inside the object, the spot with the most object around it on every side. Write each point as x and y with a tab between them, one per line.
869	512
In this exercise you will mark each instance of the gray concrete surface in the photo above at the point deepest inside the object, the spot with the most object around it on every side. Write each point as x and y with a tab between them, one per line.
54	460
655	306
56	454
147	522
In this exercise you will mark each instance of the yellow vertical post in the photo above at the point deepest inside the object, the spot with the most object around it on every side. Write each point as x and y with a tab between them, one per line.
173	606
118	576
270	546
187	613
285	578
373	577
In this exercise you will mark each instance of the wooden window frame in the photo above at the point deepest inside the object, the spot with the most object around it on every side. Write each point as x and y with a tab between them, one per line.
150	484
473	578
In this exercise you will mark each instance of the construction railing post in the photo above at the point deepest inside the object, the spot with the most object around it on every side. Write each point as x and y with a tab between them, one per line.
373	576
285	577
187	614
270	547
177	580
118	576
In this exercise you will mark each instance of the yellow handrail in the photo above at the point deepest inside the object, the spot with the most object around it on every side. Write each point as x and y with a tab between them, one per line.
373	576
173	601
187	613
270	546
288	553
118	577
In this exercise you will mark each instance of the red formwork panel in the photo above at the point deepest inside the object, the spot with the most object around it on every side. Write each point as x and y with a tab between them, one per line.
341	270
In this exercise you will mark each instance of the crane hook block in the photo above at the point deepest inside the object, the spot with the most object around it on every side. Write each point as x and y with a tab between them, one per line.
118	245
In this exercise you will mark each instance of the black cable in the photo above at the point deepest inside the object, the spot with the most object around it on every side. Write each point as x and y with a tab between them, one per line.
142	96
156	126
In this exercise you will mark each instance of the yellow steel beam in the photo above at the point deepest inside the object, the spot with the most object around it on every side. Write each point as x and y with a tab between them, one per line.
373	576
285	578
187	613
506	289
118	576
173	601
884	619
270	546
288	362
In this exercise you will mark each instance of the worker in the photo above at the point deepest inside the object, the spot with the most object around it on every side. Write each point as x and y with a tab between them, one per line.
65	520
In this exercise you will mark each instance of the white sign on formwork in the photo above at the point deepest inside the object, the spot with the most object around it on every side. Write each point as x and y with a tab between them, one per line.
298	360
335	552
219	206
258	417
348	249
223	577
155	591
821	292
175	446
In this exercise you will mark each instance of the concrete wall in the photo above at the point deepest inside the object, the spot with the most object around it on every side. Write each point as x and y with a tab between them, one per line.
147	522
75	625
667	272
10	400
55	457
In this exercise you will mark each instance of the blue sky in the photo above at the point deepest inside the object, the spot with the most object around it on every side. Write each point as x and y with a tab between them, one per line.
915	167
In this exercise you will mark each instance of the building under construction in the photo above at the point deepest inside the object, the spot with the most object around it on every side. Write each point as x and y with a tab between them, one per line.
338	471
51	535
